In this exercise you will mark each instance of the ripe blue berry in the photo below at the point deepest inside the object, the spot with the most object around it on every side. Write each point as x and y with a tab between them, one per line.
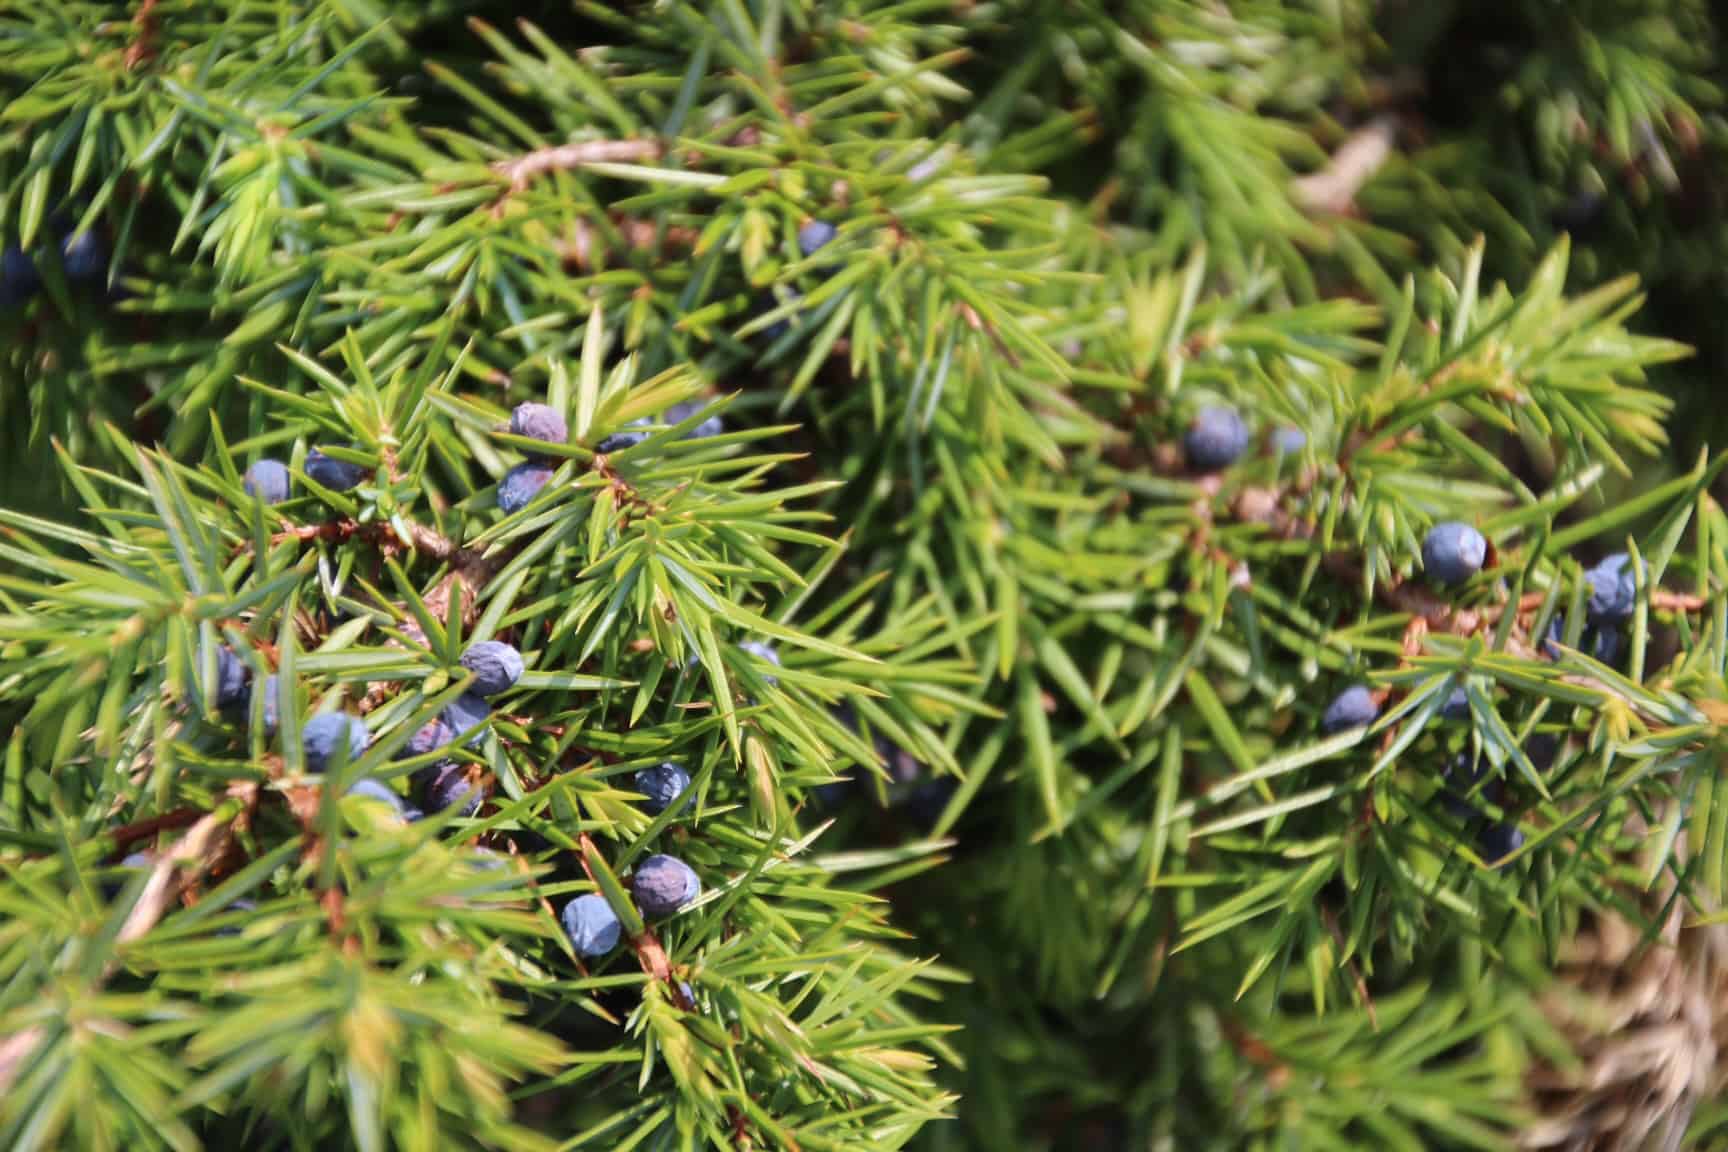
661	785
625	437
496	667
591	924
323	734
1601	642
1352	708
231	676
1498	841
520	485
1613	590
1462	778
449	787
468	713
272	707
815	235
84	256
431	736
663	884
1216	439
268	480
764	652
19	278
1457	706
378	790
1288	440
1453	552
539	422
679	413
329	472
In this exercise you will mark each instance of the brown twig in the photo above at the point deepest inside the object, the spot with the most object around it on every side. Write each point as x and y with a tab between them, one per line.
523	169
1333	189
144	29
650	953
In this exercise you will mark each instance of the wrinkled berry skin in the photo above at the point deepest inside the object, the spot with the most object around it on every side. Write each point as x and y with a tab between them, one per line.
431	736
231	677
1613	590
520	485
19	278
1498	841
539	422
468	711
591	924
1453	552
764	652
268	480
664	884
449	787
496	666
84	256
1352	708
661	785
378	790
1457	706
679	413
1288	440
816	235
1216	439
323	734
328	472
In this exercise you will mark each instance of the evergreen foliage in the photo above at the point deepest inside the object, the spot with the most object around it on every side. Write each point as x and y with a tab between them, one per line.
813	574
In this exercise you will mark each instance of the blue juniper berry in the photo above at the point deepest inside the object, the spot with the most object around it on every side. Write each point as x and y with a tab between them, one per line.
329	472
19	278
764	652
324	734
1457	706
84	256
378	790
497	667
1452	552
1613	590
1497	841
815	235
268	480
664	884
660	785
679	413
539	422
1288	440
448	786
272	706
1216	438
1354	707
428	738
468	713
231	677
521	484
592	926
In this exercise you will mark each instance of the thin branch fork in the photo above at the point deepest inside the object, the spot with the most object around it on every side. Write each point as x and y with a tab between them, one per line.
523	169
650	953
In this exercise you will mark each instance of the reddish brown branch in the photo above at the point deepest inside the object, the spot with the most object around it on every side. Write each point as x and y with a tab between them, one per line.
650	953
144	31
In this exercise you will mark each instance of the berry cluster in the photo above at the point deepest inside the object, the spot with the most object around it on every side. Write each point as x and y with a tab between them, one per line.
83	260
